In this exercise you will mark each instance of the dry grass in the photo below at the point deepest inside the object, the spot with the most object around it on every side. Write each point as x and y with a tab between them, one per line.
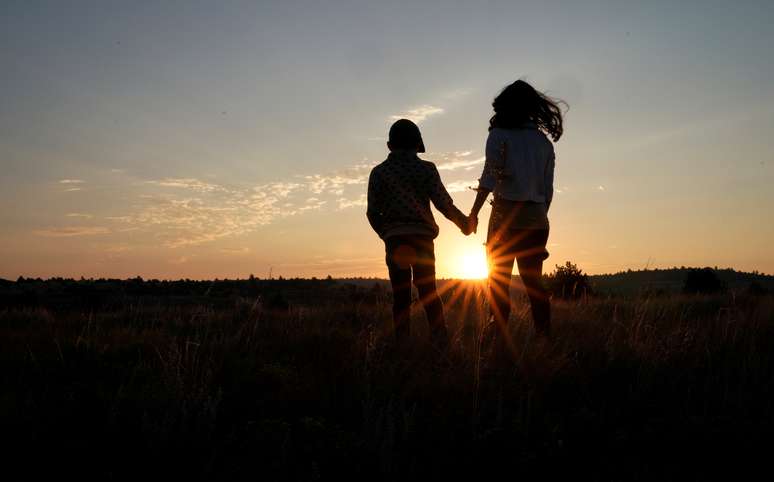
629	389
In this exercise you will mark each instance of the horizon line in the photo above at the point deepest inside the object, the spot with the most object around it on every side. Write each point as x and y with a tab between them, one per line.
345	278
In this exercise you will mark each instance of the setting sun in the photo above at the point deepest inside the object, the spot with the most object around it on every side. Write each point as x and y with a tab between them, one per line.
472	264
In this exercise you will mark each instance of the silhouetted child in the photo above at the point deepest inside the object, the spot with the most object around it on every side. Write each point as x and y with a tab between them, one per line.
399	193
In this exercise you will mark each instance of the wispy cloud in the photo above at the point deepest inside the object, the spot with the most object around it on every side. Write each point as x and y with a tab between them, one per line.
460	186
235	251
311	204
458	93
418	114
452	161
334	184
345	203
279	189
192	221
179	260
188	183
188	211
117	249
464	164
67	232
363	165
212	211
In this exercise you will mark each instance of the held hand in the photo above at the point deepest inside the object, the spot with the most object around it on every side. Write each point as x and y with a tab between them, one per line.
464	225
468	225
472	223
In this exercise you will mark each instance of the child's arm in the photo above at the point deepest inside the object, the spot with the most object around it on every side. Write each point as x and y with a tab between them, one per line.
443	201
374	211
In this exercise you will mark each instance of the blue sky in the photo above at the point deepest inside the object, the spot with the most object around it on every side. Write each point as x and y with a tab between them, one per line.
204	139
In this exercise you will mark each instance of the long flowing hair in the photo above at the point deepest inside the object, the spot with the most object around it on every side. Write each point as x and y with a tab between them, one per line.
519	104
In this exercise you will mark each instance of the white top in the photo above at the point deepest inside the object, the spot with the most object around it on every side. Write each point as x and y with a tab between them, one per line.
519	165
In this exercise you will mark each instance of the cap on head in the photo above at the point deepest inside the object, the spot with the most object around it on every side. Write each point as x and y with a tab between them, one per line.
404	134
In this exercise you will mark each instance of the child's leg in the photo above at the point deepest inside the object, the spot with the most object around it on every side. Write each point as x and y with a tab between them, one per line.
400	279
424	279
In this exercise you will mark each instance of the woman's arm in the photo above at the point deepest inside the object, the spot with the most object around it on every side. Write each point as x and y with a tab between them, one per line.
481	196
487	181
549	179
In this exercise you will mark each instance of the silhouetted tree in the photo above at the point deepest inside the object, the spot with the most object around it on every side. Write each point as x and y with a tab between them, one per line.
568	282
702	281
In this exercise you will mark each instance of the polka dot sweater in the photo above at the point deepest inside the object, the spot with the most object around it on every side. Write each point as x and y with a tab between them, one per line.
400	190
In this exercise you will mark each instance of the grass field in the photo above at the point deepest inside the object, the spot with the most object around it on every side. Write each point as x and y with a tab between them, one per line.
637	388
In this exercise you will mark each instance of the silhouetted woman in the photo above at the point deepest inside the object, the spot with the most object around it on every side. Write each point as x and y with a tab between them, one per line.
519	169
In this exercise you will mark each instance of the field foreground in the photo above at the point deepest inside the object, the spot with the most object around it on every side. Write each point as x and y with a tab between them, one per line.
294	387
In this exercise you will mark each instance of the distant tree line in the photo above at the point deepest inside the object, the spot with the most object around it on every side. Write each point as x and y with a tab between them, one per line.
103	293
567	281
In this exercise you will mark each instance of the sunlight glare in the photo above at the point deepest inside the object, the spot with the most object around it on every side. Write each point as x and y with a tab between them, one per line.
472	264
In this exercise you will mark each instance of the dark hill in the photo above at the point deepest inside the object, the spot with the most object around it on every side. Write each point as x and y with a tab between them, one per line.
671	280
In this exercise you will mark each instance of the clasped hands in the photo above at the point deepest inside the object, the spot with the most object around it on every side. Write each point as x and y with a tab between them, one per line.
469	224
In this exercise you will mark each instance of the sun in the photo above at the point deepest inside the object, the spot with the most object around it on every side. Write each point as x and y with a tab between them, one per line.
472	264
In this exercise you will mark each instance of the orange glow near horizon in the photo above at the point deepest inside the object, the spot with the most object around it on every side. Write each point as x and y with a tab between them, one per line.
471	264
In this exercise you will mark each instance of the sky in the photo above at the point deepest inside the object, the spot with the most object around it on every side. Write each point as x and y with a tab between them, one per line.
222	139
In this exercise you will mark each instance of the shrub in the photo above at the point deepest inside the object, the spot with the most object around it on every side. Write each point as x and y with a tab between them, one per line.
568	282
702	281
